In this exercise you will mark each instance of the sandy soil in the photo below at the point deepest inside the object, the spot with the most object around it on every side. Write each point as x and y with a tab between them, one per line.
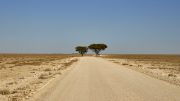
97	79
163	67
21	76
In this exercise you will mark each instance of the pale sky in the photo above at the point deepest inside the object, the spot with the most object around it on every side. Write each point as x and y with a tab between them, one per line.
57	26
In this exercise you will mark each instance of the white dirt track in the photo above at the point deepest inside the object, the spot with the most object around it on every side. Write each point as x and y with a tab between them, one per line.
96	79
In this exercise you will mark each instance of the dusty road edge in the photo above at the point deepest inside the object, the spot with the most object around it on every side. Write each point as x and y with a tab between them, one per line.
51	84
150	74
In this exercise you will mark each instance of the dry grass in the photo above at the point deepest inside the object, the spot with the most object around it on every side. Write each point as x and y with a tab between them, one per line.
164	67
5	92
20	72
165	58
47	69
157	61
116	62
178	68
2	67
152	67
33	63
33	59
15	99
125	64
70	63
171	75
44	76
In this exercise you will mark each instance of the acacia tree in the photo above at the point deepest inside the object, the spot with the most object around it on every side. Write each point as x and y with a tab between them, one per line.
82	50
97	48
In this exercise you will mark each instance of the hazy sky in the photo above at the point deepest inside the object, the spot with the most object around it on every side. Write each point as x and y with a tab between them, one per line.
57	26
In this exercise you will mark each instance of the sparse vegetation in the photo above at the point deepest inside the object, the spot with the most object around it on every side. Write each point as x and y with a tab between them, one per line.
140	66
124	63
2	67
116	62
4	91
178	68
152	67
21	72
29	62
171	75
15	99
47	69
70	63
163	67
44	76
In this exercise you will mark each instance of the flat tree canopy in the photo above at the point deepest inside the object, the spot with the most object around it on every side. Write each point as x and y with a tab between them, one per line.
81	49
97	48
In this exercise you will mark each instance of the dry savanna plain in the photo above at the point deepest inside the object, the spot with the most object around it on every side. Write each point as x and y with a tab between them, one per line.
24	77
164	67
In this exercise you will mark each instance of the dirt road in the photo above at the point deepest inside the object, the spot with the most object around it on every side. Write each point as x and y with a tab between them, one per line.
96	79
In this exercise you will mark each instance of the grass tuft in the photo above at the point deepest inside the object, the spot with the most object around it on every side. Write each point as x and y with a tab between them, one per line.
171	75
43	76
124	63
5	92
47	69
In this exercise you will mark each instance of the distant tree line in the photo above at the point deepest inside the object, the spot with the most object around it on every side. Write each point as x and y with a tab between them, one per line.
96	48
